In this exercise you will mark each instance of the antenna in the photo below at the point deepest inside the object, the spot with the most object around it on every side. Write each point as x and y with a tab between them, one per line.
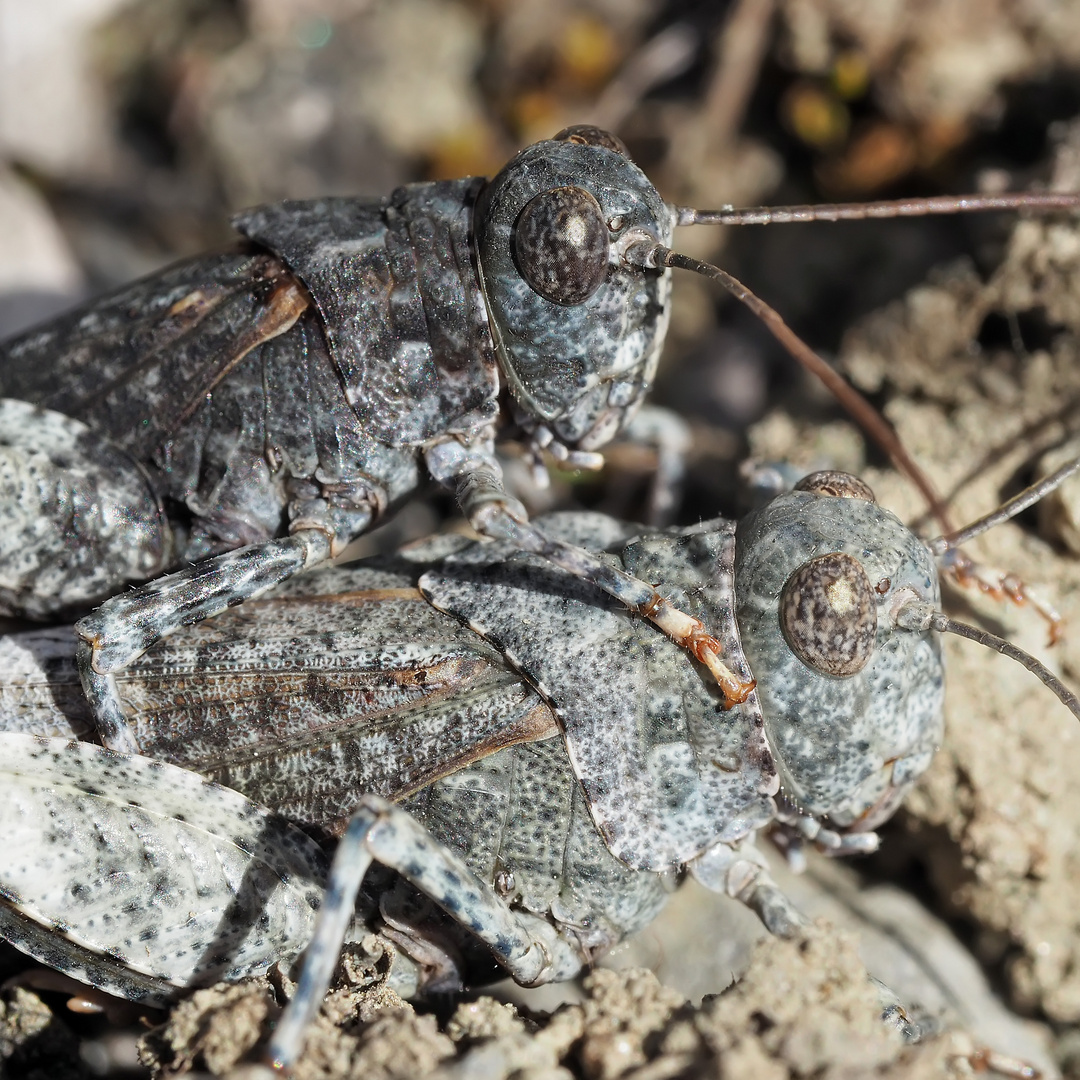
648	253
1016	505
916	615
965	571
1042	201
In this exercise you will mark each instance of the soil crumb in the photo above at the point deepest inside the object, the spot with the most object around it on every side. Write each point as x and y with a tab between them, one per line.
805	1008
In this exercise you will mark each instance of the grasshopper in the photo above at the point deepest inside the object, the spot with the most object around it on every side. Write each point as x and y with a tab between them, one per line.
532	764
251	413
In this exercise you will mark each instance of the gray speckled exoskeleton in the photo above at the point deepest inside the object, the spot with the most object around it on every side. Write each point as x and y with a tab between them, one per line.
529	767
251	413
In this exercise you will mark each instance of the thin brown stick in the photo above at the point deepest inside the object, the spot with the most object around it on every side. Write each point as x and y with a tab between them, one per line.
742	46
662	57
1045	201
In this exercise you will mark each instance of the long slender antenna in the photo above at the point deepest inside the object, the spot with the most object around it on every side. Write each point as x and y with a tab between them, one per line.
1017	504
648	253
919	616
888	208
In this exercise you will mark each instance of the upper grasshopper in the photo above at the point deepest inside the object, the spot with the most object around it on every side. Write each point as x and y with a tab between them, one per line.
251	413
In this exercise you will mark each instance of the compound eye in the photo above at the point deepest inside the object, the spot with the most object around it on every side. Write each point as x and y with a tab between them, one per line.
828	615
841	485
561	245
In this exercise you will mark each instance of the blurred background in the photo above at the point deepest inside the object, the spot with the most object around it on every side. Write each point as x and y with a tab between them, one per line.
129	129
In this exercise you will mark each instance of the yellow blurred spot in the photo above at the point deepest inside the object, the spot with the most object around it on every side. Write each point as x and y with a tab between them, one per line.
587	51
878	156
470	151
815	115
535	110
850	75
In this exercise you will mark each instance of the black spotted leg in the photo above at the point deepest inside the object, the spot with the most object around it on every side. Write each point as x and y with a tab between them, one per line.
527	946
127	625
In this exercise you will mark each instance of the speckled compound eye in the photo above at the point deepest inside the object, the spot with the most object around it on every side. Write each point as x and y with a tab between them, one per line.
828	614
842	485
561	245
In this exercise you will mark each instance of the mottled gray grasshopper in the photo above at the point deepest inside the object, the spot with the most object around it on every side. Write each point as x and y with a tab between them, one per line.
525	762
251	413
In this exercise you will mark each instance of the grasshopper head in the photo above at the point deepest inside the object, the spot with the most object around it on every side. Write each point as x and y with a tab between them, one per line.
577	332
852	702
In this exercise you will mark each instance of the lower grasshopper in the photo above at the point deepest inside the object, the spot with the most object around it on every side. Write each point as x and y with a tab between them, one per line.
527	765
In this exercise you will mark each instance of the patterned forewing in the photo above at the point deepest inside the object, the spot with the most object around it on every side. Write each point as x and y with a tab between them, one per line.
135	354
305	703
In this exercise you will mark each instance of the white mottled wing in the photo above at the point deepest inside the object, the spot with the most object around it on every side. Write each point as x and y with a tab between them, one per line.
140	877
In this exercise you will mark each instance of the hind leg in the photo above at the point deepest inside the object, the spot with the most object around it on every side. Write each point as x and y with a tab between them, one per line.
78	520
129	623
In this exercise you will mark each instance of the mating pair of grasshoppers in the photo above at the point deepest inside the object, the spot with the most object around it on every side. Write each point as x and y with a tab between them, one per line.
488	722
